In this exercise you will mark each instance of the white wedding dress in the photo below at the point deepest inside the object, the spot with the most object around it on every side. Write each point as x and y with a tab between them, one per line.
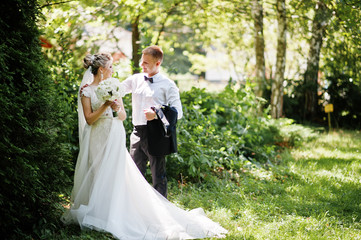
110	194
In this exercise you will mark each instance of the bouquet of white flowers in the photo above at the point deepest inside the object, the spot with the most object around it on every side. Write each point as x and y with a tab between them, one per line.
110	89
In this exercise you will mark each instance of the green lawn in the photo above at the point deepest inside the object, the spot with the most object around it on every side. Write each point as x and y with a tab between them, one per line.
312	192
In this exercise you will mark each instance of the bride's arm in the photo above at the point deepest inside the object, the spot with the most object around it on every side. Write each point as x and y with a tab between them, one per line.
89	115
122	115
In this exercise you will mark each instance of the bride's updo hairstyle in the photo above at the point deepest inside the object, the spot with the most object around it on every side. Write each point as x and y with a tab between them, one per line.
97	60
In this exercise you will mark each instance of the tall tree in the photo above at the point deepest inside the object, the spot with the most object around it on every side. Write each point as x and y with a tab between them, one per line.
34	158
257	13
135	44
319	25
277	84
147	21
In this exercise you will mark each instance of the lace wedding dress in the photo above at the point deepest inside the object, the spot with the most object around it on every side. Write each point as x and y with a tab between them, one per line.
110	194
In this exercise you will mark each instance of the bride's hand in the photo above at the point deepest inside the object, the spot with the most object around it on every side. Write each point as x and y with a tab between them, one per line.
108	103
115	106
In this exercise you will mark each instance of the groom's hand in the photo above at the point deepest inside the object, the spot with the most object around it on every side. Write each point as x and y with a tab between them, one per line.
149	114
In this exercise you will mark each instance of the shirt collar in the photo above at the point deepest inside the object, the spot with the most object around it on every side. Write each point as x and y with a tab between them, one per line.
155	77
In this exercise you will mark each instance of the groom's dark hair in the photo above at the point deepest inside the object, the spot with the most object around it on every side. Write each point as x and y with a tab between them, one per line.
154	51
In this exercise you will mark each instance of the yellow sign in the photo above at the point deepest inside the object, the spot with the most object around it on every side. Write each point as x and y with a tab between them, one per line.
329	108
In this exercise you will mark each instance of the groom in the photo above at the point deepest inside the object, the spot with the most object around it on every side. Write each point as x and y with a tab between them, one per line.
150	90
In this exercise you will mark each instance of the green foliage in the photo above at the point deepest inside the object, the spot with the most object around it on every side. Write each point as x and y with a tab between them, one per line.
343	90
342	67
188	31
345	96
221	132
66	73
35	165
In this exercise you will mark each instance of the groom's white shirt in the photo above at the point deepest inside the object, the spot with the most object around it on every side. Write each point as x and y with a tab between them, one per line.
145	95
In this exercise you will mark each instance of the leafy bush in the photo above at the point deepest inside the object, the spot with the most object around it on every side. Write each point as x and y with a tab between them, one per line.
35	164
221	132
345	95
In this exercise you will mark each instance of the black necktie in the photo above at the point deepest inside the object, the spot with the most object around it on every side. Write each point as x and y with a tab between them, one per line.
148	79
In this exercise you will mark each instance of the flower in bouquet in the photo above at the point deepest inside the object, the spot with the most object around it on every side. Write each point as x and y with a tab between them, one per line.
109	89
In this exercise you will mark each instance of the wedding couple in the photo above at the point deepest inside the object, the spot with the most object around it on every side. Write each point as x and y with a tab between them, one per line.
110	192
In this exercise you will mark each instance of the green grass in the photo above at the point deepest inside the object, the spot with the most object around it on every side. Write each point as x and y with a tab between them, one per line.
313	192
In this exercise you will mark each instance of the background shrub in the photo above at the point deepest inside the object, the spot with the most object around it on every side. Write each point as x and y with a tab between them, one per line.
35	158
223	131
345	95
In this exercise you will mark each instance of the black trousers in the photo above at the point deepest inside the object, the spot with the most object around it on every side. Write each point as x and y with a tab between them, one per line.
139	153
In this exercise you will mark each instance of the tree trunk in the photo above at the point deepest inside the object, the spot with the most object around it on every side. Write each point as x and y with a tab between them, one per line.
136	54
277	84
320	22
257	14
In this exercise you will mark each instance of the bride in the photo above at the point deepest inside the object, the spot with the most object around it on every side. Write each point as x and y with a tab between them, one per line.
109	193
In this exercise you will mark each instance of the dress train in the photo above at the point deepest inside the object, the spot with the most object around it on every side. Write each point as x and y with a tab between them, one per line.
110	194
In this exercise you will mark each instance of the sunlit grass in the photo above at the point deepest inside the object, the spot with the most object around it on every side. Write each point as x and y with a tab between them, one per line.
312	192
335	156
